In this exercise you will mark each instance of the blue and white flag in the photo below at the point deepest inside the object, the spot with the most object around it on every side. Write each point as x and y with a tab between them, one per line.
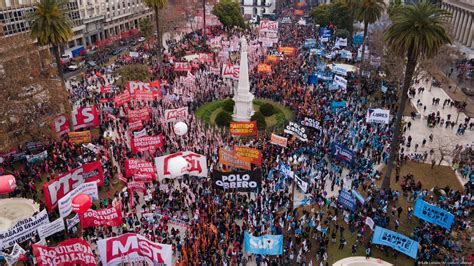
433	214
358	196
310	43
396	241
338	104
263	245
285	170
342	153
340	82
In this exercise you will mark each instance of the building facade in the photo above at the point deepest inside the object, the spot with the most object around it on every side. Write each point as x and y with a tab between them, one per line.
252	8
92	20
462	20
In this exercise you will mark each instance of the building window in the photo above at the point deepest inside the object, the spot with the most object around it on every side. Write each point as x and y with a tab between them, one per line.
255	2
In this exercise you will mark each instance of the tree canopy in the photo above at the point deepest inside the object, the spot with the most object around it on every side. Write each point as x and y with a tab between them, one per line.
336	13
49	23
228	13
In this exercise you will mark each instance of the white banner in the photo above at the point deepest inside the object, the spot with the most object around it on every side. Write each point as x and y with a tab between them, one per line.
296	130
23	230
13	257
73	221
140	133
197	164
341	42
378	116
230	71
49	229
340	82
65	203
179	114
369	222
133	247
303	185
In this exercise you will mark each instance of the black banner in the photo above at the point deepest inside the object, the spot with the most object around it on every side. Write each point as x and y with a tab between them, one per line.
237	181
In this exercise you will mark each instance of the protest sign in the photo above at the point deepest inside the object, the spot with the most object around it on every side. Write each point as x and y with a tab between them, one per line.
136	125
285	169
70	223
395	240
141	133
174	115
340	82
303	185
135	167
147	143
433	214
132	247
14	256
39	157
85	117
338	104
197	164
58	187
263	245
378	116
23	230
288	51
347	200
273	59
142	114
278	140
80	137
61	125
255	155
243	128
264	68
122	98
246	181
65	203
310	43
310	122
109	217
182	66
230	71
135	86
52	228
358	196
342	153
268	25
370	223
296	130
143	95
136	186
69	252
229	158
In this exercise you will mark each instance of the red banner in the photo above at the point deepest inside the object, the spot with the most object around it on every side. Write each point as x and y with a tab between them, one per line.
69	252
243	128
139	115
136	186
139	169
230	71
197	164
182	66
136	86
264	68
61	125
136	125
105	89
288	51
179	114
142	95
108	217
205	57
122	98
148	143
57	188
85	117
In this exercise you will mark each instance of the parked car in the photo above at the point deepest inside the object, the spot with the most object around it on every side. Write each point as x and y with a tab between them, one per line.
141	39
72	67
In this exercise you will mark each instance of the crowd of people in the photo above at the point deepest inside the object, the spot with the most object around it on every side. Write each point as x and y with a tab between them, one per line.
206	226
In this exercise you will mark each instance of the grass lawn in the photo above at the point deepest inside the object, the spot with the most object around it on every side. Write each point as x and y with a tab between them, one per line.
438	176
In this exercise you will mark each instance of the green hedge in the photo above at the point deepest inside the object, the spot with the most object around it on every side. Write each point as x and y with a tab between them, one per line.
267	109
228	105
223	119
261	124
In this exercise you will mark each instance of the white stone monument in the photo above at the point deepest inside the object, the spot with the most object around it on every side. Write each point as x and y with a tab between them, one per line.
243	99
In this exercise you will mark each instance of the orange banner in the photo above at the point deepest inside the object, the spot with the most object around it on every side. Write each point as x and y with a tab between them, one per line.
249	154
273	59
80	137
243	128
289	51
300	4
264	68
229	158
279	140
299	12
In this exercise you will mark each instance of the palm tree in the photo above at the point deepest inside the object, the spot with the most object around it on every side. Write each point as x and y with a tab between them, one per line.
50	25
368	11
157	5
352	5
416	33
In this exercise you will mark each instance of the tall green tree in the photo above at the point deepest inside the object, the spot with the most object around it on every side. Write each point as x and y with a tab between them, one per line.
368	11
352	6
146	27
416	33
50	25
158	5
336	13
228	13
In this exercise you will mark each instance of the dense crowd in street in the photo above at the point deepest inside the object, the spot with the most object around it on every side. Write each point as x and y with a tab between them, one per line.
205	225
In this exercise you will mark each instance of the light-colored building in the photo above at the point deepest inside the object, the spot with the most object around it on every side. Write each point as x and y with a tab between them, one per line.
462	20
93	20
252	8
